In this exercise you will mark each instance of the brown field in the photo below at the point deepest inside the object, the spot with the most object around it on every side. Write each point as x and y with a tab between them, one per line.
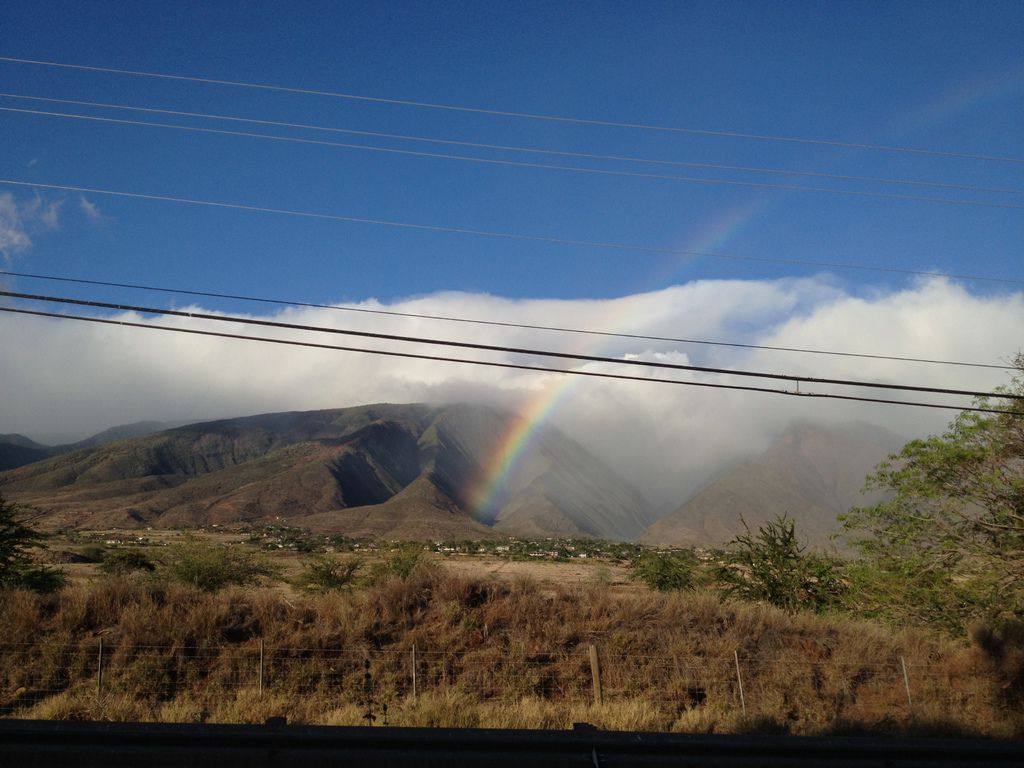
614	575
481	642
483	567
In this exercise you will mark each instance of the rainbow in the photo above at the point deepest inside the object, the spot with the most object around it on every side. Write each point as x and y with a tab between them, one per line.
715	233
956	101
505	459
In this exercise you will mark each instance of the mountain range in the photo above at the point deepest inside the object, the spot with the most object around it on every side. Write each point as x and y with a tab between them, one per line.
810	472
422	472
17	450
404	471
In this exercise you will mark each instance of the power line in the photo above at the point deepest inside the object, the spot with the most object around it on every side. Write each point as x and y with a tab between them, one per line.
521	115
498	348
494	234
497	323
537	166
491	364
514	148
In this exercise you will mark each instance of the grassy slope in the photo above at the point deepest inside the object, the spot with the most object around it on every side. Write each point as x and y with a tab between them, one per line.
490	654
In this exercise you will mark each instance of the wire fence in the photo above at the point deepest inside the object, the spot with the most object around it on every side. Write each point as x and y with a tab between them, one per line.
370	677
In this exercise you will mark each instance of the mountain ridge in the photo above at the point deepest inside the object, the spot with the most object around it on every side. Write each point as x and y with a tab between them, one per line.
419	470
403	467
811	472
17	450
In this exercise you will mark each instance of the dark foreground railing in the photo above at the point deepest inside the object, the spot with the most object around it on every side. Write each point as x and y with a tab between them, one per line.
46	744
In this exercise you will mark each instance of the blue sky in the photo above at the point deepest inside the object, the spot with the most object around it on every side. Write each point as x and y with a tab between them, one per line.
941	77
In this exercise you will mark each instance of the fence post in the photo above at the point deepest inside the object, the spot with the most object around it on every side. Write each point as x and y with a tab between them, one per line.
99	669
414	671
261	666
906	682
739	679
595	674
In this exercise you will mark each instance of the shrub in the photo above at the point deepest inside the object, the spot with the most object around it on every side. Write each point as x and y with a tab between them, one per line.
325	574
1002	647
665	571
93	553
17	540
772	566
42	579
399	563
212	568
121	561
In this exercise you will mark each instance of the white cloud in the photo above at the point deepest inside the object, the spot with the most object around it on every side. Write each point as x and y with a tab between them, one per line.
60	376
19	218
89	208
13	237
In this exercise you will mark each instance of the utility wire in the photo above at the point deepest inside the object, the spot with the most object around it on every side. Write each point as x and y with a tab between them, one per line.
520	164
491	364
494	234
498	323
521	115
499	348
514	148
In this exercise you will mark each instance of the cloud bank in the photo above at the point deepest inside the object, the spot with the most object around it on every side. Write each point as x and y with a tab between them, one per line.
77	378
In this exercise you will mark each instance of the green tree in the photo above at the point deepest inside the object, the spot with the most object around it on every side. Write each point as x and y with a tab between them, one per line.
326	574
17	540
212	568
947	544
400	563
772	566
665	571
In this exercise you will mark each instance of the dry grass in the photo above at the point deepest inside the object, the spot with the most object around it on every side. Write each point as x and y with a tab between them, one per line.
490	654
